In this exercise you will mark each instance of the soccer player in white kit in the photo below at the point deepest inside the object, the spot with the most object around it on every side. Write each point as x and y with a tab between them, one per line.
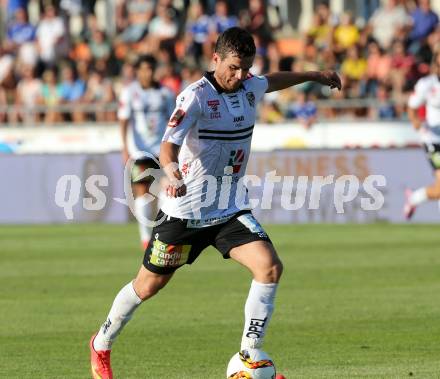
426	92
207	142
143	113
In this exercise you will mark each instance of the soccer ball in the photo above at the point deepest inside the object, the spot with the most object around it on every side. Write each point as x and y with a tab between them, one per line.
251	364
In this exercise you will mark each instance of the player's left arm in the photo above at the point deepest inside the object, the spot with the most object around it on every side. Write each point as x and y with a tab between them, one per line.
285	79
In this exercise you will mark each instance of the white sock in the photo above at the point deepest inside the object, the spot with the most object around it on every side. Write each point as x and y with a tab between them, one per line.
124	305
257	311
418	197
143	210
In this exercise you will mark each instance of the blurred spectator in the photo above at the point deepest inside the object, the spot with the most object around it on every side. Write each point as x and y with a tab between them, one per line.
20	39
222	20
378	69
14	5
29	90
255	21
167	77
197	33
424	21
50	34
354	66
385	109
353	69
258	66
8	85
270	112
190	74
304	110
100	93
126	76
72	89
139	15
326	59
273	55
366	8
99	46
403	73
82	70
346	33
81	50
19	31
322	29
163	27
51	96
387	21
71	10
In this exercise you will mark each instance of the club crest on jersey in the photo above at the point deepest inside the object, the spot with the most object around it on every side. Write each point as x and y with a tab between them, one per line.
251	99
176	118
213	104
236	159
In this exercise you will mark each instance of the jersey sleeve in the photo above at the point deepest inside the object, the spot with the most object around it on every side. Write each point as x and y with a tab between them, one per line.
124	105
184	116
418	97
258	84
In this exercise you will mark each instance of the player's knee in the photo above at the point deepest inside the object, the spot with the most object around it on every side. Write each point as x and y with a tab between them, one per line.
148	288
277	271
271	273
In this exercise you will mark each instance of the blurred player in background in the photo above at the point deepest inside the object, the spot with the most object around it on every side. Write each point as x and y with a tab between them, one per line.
426	92
144	110
209	136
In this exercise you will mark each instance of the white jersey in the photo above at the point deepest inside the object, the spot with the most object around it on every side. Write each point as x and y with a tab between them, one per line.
427	91
147	111
214	130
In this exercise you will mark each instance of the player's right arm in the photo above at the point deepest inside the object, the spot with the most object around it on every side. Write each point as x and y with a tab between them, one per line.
123	117
415	101
185	116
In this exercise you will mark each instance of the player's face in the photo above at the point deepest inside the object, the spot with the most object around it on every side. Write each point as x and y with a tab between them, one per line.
145	74
232	70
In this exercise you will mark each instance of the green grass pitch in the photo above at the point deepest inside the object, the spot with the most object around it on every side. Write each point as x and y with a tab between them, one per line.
354	302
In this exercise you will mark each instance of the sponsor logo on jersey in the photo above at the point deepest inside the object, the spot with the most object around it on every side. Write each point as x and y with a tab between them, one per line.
236	159
251	99
166	255
215	115
238	119
176	118
195	224
213	104
185	169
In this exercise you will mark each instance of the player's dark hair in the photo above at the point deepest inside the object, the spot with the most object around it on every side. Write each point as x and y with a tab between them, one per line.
149	59
237	41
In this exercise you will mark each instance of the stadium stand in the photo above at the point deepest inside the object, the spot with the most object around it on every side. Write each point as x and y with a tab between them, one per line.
67	60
